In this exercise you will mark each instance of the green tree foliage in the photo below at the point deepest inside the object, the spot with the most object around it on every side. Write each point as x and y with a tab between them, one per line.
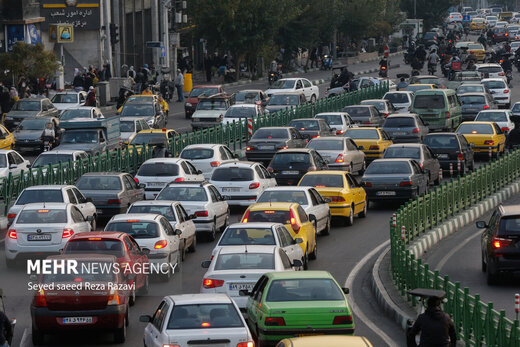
32	60
432	12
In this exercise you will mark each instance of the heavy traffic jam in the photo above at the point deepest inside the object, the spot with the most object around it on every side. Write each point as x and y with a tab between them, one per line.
93	249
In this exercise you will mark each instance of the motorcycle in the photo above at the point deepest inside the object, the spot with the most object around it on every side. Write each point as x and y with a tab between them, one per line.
47	143
509	76
432	69
273	77
326	62
383	71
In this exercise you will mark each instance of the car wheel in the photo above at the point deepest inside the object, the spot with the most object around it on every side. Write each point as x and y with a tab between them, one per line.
484	265
363	213
183	250
131	300
93	224
326	231
363	168
213	233
305	260
314	253
349	220
193	245
120	333
313	98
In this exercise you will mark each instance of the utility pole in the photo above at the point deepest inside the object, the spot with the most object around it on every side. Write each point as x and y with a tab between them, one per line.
107	46
166	7
117	46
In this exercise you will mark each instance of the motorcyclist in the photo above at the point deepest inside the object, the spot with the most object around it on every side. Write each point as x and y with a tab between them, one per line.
482	40
344	77
489	35
383	67
48	134
274	66
420	53
455	65
416	64
433	59
507	47
506	65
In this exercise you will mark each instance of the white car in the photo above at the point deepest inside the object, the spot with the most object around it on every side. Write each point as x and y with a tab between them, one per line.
491	21
309	199
176	216
56	156
402	100
53	193
156	173
130	126
241	112
491	70
235	268
242	182
11	162
43	229
311	92
454	17
211	318
265	234
339	121
204	201
501	24
515	45
88	112
69	99
501	117
499	90
206	157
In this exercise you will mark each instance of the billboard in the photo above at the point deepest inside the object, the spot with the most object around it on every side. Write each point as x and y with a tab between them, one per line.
82	14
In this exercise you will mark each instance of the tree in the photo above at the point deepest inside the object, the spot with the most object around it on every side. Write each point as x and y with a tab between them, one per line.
432	12
31	60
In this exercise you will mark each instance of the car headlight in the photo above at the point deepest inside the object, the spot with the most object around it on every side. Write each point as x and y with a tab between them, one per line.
188	104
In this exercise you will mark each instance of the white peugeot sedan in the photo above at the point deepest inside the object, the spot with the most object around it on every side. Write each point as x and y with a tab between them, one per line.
11	162
303	85
43	229
501	117
69	99
196	320
206	157
499	90
339	121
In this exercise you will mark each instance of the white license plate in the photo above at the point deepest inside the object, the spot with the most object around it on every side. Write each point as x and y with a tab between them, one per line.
157	184
77	320
241	286
443	156
290	172
229	190
385	193
266	148
39	237
399	133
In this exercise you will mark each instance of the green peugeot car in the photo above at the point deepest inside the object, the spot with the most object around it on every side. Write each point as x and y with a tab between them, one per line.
299	303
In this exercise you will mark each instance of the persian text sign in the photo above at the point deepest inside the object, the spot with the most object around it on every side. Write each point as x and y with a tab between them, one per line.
82	14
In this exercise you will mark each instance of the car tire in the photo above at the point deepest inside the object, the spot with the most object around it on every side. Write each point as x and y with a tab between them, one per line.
349	220
93	224
364	213
363	168
120	333
37	336
212	235
193	246
314	253
326	231
484	265
305	261
313	98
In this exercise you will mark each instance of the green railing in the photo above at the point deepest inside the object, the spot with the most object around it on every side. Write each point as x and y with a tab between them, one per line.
129	159
477	323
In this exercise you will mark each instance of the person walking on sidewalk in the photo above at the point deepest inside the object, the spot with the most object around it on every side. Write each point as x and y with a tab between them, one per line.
179	83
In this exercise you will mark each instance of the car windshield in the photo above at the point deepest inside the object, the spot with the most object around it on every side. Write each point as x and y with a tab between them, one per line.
273	216
296	160
146	138
245	261
127	126
108	274
158	169
83	136
203	91
26	105
247	236
197	153
283	84
475	46
380	105
95	245
494	84
470	89
305	124
164	210
99	183
491	117
136	228
509	226
65	99
327	145
399	122
212	105
232	174
42	216
429	101
397	98
441	141
307	289
267	133
277	195
331	119
468	128
403	152
132	110
357	112
388	167
282	99
204	316
322	181
358	134
183	194
52	159
34	124
78	113
240	112
247	97
39	195
516	107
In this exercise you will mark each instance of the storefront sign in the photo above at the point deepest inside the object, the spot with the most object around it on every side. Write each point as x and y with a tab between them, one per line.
82	14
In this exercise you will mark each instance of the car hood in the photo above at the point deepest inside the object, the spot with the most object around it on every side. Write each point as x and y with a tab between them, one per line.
23	114
27	135
337	90
274	108
126	136
208	113
77	146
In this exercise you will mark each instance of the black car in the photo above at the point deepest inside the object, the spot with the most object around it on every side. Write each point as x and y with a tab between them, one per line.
451	149
419	152
500	242
312	127
289	165
365	114
473	103
266	141
28	135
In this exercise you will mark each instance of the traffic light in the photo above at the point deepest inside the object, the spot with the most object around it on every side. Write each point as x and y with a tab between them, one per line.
114	33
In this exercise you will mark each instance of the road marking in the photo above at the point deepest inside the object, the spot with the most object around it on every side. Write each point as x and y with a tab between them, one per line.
25	337
355	308
444	260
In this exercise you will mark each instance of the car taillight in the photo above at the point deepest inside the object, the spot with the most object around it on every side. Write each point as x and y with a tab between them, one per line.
421	165
366	184
282	147
340	159
114	201
501	74
448	115
274	321
374	148
254	185
12	234
489	142
250	148
416	131
11	215
338	320
460	156
294	225
160	244
201	213
246	344
246	216
136	180
340	132
506	91
214	163
499	242
405	184
337	199
211	283
39	300
179	179
386	114
67	233
485	107
505	129
114	298
316	137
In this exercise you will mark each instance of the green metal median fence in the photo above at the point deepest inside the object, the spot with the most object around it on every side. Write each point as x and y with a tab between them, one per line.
129	159
478	324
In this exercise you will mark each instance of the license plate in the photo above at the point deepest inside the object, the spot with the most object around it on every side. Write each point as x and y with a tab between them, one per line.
98	211
39	237
290	172
443	156
385	193
399	133
241	286
266	148
157	184
77	320
228	190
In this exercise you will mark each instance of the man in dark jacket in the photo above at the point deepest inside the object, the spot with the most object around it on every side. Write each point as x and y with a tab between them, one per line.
6	329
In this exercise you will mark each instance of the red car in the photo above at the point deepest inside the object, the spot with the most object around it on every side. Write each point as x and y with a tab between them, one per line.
83	301
128	253
193	99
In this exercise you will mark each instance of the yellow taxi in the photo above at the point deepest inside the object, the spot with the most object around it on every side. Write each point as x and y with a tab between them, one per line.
295	220
478	24
153	136
344	195
419	86
483	137
6	138
371	140
329	341
478	50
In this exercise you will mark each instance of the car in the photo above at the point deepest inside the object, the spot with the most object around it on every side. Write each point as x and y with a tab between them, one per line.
308	198
293	216
450	149
184	318
141	99
69	99
472	88
240	113
341	191
500	91
57	156
465	76
514	46
364	115
340	153
501	117
500	34
241	182
394	179
130	127
478	24
283	100
485	138
516	110
490	70
81	112
491	21
454	17
422	154
405	127
147	108
111	192
401	100
286	304
193	99
413	88
427	79
210	110
29	108
154	137
156	173
303	85
338	121
154	235
6	138
311	128
475	48
384	106
81	308
28	135
514	34
329	341
366	82
176	216
12	163
203	200
206	157
43	229
439	109
266	141
499	242
235	268
289	165
371	140
252	96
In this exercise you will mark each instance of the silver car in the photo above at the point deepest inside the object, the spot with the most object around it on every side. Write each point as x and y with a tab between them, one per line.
43	228
422	154
207	157
405	127
341	153
384	106
339	121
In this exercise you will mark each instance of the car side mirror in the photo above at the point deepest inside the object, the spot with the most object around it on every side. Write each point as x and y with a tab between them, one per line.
298	240
13	166
297	263
244	292
145	318
327	200
205	264
199	172
142	185
88	200
89	218
312	218
481	224
192	216
345	290
177	232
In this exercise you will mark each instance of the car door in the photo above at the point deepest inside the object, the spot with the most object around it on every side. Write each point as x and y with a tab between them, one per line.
271	181
254	304
220	205
308	89
434	165
173	239
419	176
132	190
499	135
86	208
188	226
264	184
286	262
6	138
298	87
20	161
354	155
322	208
12	165
287	243
314	210
357	193
152	332
80	224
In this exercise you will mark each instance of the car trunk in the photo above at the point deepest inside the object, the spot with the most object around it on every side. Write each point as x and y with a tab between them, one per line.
223	337
478	139
101	197
330	156
364	144
386	181
234	281
333	194
40	234
192	206
308	313
76	300
267	145
398	132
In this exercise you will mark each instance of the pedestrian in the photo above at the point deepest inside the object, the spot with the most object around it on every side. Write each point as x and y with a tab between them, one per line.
402	84
147	90
4	98
106	75
208	64
179	83
87	81
6	330
131	73
91	97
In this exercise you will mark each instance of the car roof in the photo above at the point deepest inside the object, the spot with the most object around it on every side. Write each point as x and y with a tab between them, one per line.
443	134
50	186
163	160
46	205
106	173
299	274
134	216
363	128
488	65
155	203
288	188
311	119
491	79
365	106
477	122
108	235
132	118
281	206
509	210
406	145
372	100
426	76
400	91
208	86
255	224
206	298
328	138
330	113
269	249
288	93
399	115
239	163
496	110
5	151
63	151
156	131
250	91
295	150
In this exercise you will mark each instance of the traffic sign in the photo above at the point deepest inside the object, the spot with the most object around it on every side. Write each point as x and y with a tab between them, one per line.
466	18
163	51
154	44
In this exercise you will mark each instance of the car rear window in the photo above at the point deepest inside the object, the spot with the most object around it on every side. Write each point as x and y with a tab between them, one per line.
267	133
245	261
358	134
320	181
240	111
44	195
399	122
146	138
403	152
357	112
165	211
95	245
233	174
469	128
298	197
472	100
200	91
491	117
43	216
377	104
305	124
197	153
388	167
137	229
296	160
490	69
397	98
441	141
204	316
273	216
429	101
509	226
494	84
51	158
327	145
470	89
158	169
320	289
331	119
183	194
99	183
247	236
